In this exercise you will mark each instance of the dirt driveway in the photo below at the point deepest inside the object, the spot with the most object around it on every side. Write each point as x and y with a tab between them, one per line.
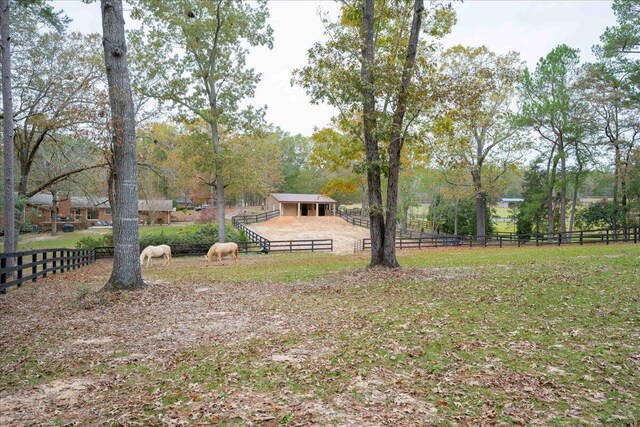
309	227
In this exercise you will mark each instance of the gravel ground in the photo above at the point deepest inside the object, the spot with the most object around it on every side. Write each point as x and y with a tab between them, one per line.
299	228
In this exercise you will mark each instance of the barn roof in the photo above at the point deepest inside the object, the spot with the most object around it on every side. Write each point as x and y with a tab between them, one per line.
302	198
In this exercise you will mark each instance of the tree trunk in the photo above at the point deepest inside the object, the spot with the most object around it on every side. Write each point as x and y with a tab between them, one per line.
217	147
7	110
480	204
126	273
550	185
616	173
54	213
396	138
563	189
23	181
576	185
455	218
376	218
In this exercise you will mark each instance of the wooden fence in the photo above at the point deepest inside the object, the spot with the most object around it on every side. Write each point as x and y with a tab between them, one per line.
250	219
266	245
352	219
581	237
252	235
30	265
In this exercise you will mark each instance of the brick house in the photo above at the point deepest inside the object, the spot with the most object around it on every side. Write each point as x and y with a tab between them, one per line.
84	212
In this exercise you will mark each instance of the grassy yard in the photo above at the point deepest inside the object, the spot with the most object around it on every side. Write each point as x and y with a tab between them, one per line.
533	336
69	240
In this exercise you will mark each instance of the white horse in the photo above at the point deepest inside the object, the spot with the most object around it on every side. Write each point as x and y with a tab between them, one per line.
222	249
149	252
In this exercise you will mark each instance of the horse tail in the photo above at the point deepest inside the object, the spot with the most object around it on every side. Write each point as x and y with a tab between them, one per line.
142	256
169	255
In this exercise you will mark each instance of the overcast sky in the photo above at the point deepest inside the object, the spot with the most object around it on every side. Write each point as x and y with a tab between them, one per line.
532	28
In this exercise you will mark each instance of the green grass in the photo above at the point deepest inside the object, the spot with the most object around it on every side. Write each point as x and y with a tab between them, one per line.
544	329
69	240
61	240
512	336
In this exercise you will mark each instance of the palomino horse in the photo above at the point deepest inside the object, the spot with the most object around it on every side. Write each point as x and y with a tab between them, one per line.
222	249
149	252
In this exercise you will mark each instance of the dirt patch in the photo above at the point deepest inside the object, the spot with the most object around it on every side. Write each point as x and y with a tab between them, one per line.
343	234
31	406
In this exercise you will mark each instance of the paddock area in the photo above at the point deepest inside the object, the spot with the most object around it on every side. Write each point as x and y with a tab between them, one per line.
466	336
297	228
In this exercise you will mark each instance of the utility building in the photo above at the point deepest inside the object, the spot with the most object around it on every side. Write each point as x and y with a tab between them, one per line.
300	204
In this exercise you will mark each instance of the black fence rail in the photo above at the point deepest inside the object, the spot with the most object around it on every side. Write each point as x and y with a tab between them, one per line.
251	235
266	245
353	219
30	265
187	249
315	245
250	219
581	237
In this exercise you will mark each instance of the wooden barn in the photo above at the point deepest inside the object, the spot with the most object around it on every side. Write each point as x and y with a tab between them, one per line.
300	204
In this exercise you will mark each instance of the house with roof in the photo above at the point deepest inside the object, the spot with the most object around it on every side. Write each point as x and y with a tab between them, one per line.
184	202
155	211
87	211
507	202
290	204
82	211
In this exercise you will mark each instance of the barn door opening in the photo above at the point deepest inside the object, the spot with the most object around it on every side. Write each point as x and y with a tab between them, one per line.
321	210
304	210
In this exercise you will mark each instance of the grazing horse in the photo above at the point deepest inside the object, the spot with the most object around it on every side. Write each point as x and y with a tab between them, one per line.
222	249
149	252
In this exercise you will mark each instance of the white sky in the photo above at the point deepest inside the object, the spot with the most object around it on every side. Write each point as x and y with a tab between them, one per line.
532	28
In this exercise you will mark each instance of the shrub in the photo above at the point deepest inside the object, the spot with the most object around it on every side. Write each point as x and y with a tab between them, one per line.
196	234
88	242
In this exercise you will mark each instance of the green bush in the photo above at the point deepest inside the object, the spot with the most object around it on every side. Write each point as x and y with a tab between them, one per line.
195	234
88	242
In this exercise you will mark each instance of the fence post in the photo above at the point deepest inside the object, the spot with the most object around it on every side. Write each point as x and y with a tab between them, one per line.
312	245
635	235
500	240
3	275
559	239
607	236
34	268
54	263
44	264
19	272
